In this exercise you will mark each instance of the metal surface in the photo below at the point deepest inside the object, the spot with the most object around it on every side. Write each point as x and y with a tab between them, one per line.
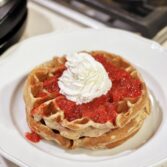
141	17
89	17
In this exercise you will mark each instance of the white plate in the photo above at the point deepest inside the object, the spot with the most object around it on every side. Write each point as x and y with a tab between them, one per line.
146	148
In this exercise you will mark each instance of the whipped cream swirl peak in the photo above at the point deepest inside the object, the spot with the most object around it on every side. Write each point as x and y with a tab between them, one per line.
84	79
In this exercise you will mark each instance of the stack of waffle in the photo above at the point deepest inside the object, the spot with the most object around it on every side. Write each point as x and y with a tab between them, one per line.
45	117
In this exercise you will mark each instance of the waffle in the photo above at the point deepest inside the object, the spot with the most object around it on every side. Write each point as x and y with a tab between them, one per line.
46	118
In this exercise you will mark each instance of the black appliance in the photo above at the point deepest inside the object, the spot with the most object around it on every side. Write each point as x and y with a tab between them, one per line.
13	15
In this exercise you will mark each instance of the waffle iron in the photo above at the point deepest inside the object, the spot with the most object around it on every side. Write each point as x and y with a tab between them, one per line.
13	16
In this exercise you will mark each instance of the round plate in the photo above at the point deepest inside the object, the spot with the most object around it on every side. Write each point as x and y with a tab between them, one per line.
147	147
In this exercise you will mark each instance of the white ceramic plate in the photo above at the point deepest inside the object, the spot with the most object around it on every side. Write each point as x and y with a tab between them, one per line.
146	148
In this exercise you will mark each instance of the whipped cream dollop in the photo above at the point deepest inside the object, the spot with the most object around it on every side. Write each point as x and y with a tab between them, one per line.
84	79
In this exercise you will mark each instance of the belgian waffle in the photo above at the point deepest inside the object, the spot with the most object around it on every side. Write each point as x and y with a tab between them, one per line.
82	132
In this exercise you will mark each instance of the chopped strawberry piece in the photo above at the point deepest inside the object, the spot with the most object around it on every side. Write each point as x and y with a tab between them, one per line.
33	137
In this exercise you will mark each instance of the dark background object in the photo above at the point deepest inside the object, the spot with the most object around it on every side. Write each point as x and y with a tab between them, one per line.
157	2
141	16
13	14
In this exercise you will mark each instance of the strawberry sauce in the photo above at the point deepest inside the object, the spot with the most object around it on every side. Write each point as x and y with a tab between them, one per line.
33	137
103	108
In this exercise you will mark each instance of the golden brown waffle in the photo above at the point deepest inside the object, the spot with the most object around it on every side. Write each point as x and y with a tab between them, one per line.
82	132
